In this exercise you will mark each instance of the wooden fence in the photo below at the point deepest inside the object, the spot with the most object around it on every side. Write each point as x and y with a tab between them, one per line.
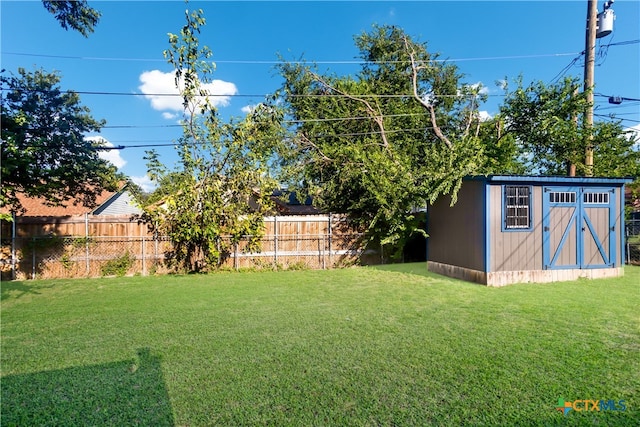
93	246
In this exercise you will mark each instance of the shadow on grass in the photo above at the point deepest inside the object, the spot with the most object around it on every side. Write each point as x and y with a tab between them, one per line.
131	392
18	289
417	268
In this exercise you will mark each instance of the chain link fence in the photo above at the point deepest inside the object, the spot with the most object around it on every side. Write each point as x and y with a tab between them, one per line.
93	246
47	257
632	244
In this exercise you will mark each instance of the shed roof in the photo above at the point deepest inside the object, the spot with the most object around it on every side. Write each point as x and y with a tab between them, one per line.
540	179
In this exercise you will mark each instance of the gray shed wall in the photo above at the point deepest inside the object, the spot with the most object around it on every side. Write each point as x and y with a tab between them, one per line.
456	233
514	250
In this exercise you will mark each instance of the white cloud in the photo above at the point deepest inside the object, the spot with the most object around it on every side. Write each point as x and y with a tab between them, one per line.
112	156
144	182
483	89
169	116
248	108
635	129
155	84
635	134
484	116
469	89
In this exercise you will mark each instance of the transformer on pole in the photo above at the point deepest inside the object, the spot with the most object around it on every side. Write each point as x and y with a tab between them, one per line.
605	21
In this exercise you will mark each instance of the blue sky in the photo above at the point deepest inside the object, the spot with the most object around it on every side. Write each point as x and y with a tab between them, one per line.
123	59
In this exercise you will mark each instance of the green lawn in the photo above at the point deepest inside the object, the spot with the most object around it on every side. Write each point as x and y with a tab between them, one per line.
390	345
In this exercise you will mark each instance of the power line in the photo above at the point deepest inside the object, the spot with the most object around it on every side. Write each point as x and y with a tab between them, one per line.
612	107
616	118
156	143
139	126
237	95
272	62
562	72
336	119
152	143
636	41
602	54
293	121
611	96
624	114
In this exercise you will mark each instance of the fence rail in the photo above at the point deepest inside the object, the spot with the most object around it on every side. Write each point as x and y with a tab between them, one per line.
317	242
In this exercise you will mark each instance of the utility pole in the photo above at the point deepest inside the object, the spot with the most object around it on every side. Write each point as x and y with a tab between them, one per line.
598	25
589	68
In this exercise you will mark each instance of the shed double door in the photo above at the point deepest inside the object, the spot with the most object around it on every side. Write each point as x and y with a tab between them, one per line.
578	227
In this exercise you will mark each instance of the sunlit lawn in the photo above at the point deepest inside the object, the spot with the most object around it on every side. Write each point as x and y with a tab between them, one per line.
392	345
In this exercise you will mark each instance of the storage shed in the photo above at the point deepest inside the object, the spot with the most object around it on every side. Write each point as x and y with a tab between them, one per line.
514	229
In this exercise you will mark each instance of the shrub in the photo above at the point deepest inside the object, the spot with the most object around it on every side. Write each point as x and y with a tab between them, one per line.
118	266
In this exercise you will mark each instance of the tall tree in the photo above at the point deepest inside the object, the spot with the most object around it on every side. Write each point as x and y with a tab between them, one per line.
44	153
74	14
221	189
545	121
381	143
616	151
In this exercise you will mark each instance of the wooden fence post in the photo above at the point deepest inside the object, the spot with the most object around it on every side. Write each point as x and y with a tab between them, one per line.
13	247
144	264
33	258
156	245
275	241
330	238
86	244
235	256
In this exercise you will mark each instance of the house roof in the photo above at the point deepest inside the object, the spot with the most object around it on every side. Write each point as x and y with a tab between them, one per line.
287	203
37	206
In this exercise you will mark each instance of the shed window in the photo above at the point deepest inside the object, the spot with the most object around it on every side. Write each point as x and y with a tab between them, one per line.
562	197
517	213
596	198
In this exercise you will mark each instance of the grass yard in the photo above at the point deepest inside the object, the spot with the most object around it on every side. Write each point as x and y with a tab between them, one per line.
392	345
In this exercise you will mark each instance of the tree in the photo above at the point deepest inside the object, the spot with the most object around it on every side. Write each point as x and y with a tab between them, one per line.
221	190
616	150
386	141
74	14
44	153
545	121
